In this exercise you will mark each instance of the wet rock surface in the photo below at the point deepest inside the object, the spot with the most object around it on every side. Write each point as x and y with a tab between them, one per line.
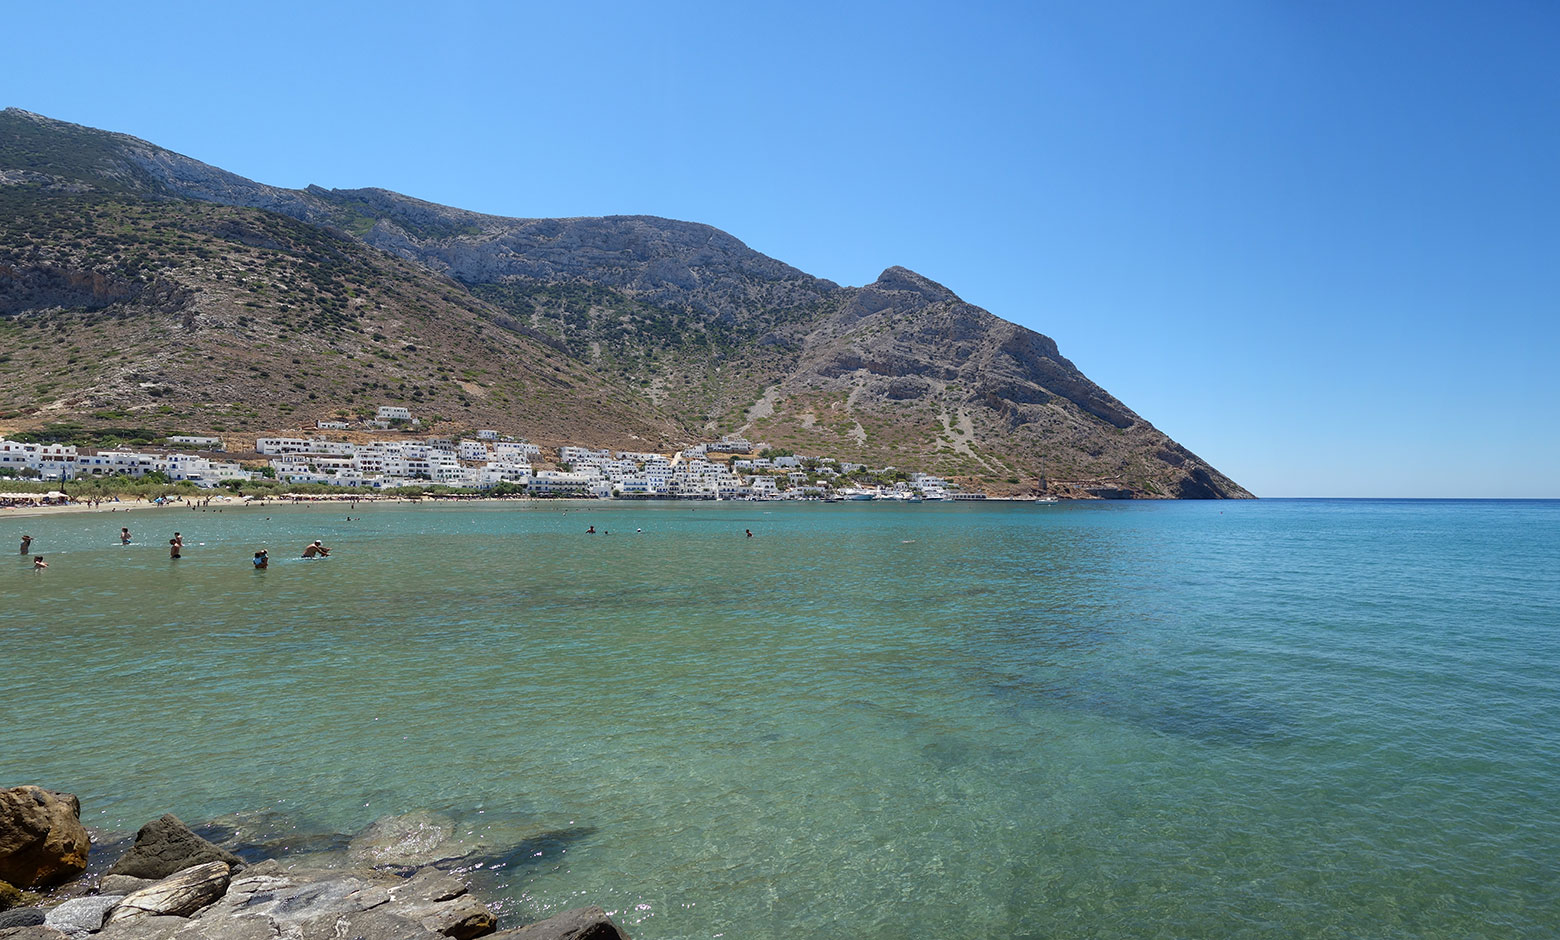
12	896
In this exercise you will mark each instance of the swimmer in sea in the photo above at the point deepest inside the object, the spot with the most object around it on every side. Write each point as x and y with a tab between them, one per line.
124	536
749	532
38	563
174	547
591	531
315	548
26	543
262	558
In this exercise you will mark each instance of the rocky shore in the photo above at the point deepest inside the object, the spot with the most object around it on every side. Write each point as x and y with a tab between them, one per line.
173	883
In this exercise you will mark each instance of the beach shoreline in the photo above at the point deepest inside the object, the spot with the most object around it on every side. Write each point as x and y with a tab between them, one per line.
34	512
18	512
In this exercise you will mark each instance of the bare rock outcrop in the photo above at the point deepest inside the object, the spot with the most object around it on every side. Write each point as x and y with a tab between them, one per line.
179	895
166	845
42	840
79	917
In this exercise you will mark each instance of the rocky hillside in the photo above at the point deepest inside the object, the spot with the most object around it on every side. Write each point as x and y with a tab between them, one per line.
600	330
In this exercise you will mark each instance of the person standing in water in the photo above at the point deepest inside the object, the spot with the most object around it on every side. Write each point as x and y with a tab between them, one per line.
38	563
124	536
315	548
174	548
262	559
26	544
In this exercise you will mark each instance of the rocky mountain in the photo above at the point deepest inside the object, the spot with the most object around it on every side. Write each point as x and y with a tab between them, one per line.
139	284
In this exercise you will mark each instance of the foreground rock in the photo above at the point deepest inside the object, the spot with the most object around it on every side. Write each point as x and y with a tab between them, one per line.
178	895
439	902
21	917
268	901
81	916
582	923
166	845
42	840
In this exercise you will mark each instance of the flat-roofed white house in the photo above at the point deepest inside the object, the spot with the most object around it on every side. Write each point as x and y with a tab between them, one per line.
521	449
281	445
209	443
394	413
559	483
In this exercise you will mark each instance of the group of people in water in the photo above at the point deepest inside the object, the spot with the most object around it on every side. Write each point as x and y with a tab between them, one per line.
262	558
592	531
315	549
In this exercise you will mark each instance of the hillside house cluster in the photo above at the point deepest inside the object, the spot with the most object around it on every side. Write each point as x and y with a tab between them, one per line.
697	472
726	469
65	462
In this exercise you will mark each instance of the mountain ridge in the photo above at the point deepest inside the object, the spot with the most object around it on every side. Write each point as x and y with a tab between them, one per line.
692	331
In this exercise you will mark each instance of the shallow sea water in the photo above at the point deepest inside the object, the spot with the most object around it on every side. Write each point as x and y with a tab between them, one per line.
1263	719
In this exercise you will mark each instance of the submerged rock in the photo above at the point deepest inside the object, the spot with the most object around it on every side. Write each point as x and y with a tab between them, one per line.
42	840
582	923
412	840
166	845
254	835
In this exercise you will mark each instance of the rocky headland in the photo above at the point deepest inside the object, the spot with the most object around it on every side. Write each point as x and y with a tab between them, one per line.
198	299
398	879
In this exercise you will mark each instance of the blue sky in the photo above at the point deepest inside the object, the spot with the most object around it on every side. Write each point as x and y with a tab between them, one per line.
1316	242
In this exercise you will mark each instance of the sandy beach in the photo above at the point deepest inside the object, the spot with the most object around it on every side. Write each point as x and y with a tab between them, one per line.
18	512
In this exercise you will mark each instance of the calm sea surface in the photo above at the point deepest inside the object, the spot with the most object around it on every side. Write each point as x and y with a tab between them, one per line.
1263	719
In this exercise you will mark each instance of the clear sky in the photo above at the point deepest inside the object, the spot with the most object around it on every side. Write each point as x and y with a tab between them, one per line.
1315	241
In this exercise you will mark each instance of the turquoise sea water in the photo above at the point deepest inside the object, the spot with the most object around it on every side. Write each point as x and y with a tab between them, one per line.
1263	719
